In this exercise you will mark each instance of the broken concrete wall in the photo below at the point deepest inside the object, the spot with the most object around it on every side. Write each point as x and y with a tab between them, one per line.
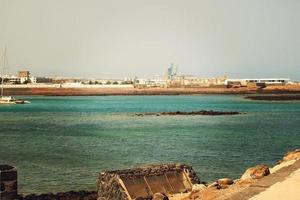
109	187
144	182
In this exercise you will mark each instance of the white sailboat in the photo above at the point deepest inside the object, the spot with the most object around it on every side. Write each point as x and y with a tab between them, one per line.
7	99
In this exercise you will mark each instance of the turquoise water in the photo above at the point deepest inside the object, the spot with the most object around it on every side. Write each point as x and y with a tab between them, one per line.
62	143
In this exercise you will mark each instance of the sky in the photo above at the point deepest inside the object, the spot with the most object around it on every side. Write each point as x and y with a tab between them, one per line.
127	38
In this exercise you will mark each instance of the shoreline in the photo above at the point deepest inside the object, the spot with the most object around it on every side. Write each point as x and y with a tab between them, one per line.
52	91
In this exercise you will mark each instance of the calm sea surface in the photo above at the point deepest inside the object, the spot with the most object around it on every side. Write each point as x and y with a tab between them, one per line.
61	143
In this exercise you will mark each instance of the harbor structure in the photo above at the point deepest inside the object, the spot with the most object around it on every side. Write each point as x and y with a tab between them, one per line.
263	82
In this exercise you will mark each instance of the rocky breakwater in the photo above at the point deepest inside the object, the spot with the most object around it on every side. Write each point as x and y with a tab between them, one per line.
288	159
256	172
8	182
253	181
71	195
200	112
224	188
275	97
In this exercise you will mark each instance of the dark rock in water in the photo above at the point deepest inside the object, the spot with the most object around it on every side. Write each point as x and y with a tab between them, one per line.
201	112
283	97
72	195
8	182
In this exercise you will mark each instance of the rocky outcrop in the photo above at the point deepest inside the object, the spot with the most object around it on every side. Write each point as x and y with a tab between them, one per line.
224	183
291	155
72	195
199	187
160	196
8	182
256	172
201	112
250	183
284	97
289	158
213	185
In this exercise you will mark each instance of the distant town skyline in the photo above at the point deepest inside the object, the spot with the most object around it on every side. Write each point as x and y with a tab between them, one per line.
113	39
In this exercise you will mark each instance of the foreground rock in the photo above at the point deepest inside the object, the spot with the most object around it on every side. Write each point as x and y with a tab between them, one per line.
256	172
160	196
8	182
250	183
289	158
291	155
199	187
201	112
224	183
72	195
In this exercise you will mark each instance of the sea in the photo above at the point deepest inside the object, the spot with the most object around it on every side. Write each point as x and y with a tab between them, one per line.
63	143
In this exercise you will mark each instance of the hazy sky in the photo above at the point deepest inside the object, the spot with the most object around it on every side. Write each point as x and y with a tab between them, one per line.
118	38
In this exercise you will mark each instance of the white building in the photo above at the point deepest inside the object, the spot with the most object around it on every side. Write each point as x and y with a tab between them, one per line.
266	81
